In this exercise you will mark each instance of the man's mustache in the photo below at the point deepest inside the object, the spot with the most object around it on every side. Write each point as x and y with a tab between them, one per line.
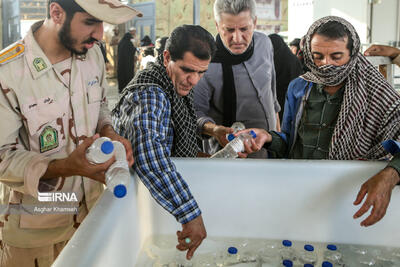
90	41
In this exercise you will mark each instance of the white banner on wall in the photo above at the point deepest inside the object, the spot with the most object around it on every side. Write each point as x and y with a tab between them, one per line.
268	9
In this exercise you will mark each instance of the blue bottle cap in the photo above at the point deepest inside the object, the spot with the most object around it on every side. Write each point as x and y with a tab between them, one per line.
287	243
253	134
327	264
230	137
309	248
287	263
120	191
232	250
308	265
107	147
331	247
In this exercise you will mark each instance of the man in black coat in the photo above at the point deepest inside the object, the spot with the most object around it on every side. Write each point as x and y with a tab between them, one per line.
126	61
287	68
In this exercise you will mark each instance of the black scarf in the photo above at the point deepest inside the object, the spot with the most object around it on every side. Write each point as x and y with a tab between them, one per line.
182	111
227	59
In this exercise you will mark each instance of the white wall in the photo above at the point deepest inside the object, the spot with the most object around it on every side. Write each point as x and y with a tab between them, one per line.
302	13
300	17
384	26
354	11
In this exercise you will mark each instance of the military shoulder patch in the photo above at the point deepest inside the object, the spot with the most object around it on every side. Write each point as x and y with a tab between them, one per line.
11	53
48	139
39	64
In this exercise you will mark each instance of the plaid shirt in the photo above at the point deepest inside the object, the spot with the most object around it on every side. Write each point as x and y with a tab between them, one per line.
144	118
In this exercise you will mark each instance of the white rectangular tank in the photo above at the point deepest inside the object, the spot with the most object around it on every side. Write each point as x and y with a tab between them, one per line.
273	199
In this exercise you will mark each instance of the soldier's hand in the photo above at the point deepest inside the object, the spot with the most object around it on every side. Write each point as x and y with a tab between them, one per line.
77	164
109	132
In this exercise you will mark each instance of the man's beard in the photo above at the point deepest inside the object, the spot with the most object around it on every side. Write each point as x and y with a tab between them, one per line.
68	42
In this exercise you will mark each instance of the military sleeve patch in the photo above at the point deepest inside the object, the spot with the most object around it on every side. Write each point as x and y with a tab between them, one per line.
48	139
12	53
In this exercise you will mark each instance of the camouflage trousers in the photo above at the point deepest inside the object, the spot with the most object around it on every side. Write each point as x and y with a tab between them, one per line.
29	257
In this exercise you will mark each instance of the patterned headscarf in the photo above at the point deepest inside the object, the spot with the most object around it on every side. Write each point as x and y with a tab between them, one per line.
182	110
370	112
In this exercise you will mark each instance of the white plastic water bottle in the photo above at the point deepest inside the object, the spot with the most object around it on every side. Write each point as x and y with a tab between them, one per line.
235	145
308	256
330	264
287	251
117	175
360	256
237	126
100	151
269	255
232	257
332	255
287	263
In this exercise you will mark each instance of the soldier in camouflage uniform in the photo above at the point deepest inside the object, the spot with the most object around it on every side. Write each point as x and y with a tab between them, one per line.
52	107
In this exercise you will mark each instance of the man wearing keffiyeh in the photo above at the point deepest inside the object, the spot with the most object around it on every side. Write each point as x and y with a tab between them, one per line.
156	114
342	109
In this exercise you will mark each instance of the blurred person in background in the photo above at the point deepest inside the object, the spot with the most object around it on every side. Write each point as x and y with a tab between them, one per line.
287	68
114	46
126	60
147	57
295	46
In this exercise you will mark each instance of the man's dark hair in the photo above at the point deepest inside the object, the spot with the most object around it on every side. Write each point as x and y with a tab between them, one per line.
146	41
335	30
70	7
149	51
295	42
160	44
191	38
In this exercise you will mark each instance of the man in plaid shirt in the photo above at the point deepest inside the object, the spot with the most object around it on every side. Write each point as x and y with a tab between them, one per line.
156	114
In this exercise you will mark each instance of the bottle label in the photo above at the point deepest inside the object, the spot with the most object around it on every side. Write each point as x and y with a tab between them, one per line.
237	145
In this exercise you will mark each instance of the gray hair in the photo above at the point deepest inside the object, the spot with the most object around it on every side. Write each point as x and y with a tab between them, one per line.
234	7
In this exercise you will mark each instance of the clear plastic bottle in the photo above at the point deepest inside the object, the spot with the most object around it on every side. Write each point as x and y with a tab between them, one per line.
287	263
237	126
365	260
100	151
330	264
235	145
204	260
232	257
360	256
117	176
308	256
269	254
287	252
332	255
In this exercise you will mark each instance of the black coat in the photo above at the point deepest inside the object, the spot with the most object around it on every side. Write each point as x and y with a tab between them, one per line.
287	68
126	61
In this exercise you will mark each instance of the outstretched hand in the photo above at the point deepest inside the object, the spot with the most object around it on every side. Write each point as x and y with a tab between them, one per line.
378	190
382	50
